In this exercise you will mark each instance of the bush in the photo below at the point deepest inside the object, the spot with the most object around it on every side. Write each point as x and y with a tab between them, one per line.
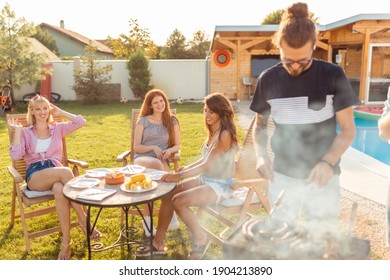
139	74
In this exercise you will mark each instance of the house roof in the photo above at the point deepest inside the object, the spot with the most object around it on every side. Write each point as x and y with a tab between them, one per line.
353	19
38	47
77	37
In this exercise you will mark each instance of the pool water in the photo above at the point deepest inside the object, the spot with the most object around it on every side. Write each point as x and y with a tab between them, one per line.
367	140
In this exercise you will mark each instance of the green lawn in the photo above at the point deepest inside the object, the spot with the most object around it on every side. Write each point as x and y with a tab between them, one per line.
106	135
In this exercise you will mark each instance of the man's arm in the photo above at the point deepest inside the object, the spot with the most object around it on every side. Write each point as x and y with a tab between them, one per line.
260	140
344	138
323	171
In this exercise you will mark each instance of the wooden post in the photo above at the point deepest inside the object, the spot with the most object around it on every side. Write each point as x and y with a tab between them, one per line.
330	52
363	74
238	73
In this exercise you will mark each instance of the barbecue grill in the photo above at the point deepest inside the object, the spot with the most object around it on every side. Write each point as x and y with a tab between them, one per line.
270	239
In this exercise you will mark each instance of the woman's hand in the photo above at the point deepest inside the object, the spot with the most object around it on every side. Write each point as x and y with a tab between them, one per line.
181	168
159	153
171	177
55	111
167	154
14	123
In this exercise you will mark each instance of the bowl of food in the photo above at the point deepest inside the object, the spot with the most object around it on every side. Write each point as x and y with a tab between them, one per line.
114	178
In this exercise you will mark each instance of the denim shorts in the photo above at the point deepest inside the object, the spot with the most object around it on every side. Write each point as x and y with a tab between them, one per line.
37	166
221	187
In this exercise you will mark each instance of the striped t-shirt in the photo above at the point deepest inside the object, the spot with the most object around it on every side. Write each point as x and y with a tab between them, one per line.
303	109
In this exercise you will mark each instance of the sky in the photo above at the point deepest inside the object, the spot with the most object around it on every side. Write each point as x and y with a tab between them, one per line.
99	19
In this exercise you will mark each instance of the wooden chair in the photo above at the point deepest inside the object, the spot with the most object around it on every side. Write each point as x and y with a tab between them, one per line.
250	194
127	157
40	200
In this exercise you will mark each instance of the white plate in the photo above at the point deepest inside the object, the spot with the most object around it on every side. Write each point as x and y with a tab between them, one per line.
132	169
140	190
156	175
97	173
84	183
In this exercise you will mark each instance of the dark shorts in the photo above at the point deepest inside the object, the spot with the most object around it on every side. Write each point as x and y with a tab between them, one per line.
37	166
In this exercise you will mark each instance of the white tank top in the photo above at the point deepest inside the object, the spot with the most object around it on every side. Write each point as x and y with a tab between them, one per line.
42	145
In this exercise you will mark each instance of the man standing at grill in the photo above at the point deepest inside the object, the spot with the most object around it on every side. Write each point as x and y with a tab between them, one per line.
384	133
305	99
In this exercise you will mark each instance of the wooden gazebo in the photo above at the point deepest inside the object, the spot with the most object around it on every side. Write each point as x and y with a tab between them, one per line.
360	44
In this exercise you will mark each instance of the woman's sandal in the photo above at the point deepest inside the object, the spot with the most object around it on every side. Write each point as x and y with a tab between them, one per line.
95	234
144	251
198	251
66	248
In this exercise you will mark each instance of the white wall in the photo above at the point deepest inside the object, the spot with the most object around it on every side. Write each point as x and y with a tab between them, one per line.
180	78
177	78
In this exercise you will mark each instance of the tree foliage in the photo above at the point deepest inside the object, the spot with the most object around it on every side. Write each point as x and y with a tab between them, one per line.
18	63
91	79
46	39
138	38
199	45
274	17
139	74
176	46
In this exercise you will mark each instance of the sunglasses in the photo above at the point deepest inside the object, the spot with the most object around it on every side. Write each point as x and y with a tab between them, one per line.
302	63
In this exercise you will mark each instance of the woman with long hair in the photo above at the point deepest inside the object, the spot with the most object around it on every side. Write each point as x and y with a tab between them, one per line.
156	139
206	181
41	146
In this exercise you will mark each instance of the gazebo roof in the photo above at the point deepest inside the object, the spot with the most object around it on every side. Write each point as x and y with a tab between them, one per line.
251	32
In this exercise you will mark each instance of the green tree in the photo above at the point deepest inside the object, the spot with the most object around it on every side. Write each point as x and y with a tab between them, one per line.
18	63
199	45
138	38
176	46
46	39
273	17
91	79
139	74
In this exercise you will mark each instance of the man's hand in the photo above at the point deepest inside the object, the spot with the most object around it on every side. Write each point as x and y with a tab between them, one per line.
265	168
321	174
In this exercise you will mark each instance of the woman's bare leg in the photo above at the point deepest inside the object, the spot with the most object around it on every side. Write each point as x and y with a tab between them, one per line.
63	213
166	211
44	180
55	178
199	196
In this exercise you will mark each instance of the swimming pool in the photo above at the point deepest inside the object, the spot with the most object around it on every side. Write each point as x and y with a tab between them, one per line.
367	140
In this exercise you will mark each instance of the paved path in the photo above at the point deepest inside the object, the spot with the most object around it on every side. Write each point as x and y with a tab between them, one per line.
360	174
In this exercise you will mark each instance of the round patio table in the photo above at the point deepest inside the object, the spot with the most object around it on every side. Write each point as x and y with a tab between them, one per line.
117	198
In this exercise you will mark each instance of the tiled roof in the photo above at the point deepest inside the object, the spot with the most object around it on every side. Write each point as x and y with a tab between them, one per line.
37	47
80	38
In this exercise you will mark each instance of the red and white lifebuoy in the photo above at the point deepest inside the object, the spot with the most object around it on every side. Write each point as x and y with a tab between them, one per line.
222	58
